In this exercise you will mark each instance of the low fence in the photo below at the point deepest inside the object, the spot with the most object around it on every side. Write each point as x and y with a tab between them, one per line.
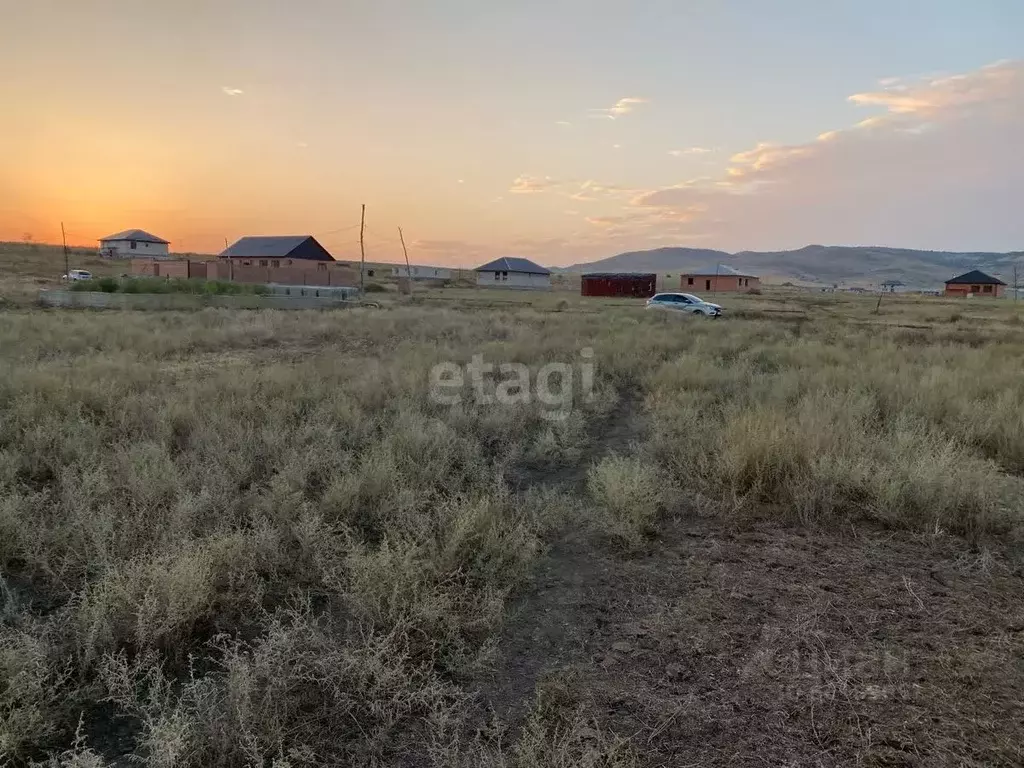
98	300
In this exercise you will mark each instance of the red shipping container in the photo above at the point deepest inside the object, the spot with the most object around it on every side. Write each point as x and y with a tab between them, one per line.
632	284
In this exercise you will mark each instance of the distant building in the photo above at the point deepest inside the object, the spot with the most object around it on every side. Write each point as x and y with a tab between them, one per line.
639	285
719	279
975	283
419	272
277	251
132	243
512	272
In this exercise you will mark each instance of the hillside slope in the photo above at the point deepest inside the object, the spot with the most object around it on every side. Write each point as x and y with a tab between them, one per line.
820	263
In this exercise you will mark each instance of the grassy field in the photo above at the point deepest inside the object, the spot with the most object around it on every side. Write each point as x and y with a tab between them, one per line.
791	536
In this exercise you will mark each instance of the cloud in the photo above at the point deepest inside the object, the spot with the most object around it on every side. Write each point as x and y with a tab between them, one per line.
525	184
619	108
690	151
941	95
938	167
563	123
231	91
592	190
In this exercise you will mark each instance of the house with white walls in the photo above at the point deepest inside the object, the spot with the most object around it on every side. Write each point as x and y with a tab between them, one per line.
513	272
134	243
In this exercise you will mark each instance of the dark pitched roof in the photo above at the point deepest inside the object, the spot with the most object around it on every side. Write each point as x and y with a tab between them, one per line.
975	277
278	247
513	264
139	235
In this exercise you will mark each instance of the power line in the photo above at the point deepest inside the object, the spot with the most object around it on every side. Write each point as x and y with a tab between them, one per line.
336	231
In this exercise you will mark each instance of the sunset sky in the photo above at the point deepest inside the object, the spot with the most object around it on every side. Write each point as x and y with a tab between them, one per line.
562	130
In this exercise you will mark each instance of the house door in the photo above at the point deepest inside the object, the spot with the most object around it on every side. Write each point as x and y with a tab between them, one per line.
707	285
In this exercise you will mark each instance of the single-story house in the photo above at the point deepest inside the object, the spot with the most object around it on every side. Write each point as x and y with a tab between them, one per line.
132	243
277	251
513	272
719	279
975	283
420	272
639	285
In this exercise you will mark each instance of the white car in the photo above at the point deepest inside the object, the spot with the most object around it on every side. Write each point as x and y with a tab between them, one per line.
77	274
684	302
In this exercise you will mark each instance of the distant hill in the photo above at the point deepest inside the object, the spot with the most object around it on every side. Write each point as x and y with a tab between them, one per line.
819	263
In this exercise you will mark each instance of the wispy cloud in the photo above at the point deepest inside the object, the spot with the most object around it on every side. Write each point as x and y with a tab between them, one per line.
619	108
942	149
690	151
593	190
525	184
229	91
563	123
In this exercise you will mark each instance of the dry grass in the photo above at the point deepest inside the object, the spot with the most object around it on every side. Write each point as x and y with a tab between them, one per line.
628	495
252	537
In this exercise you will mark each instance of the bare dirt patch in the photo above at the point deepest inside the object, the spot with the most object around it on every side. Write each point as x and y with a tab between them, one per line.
778	646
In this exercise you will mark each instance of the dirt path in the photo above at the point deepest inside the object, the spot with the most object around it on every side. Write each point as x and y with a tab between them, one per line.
542	633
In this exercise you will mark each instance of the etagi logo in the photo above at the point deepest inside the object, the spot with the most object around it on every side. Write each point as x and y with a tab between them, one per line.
553	384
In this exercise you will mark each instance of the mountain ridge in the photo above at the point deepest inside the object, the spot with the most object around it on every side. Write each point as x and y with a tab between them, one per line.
826	264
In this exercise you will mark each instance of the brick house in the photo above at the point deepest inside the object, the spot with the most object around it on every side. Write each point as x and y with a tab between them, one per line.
975	283
719	279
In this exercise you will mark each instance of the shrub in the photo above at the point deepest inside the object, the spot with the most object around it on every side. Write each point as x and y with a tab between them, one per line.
628	493
375	288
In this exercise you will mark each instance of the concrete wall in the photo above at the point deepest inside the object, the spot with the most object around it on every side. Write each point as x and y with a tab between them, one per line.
717	283
91	300
122	249
513	280
420	272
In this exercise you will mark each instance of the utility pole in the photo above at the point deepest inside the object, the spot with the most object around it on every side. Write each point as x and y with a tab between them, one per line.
362	250
408	269
64	239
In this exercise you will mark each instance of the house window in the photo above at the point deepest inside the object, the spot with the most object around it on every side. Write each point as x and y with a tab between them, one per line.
322	267
247	263
263	262
987	289
975	288
275	263
133	245
497	275
689	281
504	275
707	285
